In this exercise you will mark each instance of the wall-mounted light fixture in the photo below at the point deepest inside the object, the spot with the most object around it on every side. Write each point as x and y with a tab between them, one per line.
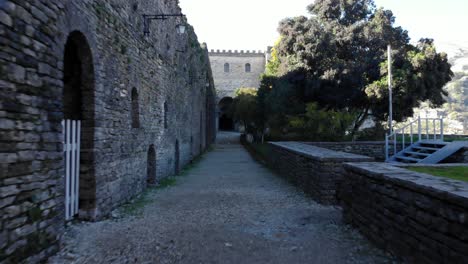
180	28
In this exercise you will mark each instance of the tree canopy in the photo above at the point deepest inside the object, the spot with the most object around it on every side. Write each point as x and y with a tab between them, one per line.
337	59
244	107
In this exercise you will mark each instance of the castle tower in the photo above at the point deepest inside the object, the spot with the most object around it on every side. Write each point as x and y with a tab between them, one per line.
233	70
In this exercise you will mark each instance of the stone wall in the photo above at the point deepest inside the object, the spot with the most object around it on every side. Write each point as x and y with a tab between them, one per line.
460	156
317	171
419	217
375	149
227	82
89	60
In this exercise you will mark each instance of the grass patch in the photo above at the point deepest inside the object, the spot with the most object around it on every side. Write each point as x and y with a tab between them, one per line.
167	182
456	173
135	207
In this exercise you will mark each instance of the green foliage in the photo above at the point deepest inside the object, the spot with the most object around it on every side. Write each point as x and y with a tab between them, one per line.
455	109
322	125
136	206
376	133
244	107
457	100
245	91
272	67
337	58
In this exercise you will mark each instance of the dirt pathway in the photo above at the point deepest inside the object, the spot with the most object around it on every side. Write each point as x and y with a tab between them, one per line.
227	209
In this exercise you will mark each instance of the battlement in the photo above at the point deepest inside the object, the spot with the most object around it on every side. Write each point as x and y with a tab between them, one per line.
237	52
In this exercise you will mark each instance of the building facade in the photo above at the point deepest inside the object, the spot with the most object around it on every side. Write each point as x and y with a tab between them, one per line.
140	108
233	70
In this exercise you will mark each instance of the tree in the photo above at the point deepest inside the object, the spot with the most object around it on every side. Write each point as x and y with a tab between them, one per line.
340	52
455	110
321	125
243	108
272	68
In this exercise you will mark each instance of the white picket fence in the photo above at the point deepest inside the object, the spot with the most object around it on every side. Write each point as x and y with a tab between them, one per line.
71	149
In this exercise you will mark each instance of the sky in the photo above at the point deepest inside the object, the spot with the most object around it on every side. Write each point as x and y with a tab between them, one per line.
252	24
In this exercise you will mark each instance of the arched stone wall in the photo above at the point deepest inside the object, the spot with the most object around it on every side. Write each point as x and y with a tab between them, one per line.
32	78
78	104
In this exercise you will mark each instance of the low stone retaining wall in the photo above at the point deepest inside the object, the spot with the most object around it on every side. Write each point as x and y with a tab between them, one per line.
419	217
317	171
375	149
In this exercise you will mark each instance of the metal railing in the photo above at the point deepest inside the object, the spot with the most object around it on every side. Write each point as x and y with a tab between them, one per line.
421	126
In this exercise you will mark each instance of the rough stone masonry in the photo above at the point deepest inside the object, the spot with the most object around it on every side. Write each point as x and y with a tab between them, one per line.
146	105
236	69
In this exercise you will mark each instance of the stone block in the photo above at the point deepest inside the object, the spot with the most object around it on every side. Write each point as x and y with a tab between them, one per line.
6	201
17	73
5	19
6	191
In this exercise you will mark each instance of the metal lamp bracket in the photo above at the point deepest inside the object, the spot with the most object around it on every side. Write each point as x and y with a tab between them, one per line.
148	18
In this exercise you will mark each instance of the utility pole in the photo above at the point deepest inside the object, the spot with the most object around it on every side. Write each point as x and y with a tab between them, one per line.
390	99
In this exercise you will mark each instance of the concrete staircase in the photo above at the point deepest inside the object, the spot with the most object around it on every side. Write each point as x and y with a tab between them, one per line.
428	151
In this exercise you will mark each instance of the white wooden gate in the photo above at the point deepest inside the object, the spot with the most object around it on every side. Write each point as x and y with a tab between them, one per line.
71	149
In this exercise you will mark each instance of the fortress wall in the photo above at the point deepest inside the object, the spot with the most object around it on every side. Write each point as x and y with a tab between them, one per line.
113	58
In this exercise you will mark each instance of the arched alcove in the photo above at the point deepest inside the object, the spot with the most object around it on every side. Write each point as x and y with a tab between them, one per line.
135	109
78	105
151	166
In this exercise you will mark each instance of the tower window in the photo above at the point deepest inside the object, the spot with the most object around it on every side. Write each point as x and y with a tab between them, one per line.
226	67
248	68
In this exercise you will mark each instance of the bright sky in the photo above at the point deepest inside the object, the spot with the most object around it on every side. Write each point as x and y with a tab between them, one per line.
252	24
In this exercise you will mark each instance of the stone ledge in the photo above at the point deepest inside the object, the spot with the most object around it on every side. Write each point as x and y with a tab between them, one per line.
418	217
437	187
346	143
317	171
321	154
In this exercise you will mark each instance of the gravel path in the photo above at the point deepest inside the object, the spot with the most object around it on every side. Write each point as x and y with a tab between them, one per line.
227	209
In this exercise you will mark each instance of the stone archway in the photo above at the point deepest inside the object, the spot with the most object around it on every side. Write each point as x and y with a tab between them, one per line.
78	104
151	178
225	120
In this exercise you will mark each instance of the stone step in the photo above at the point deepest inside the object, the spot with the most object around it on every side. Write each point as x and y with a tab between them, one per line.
433	142
408	159
425	148
417	153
